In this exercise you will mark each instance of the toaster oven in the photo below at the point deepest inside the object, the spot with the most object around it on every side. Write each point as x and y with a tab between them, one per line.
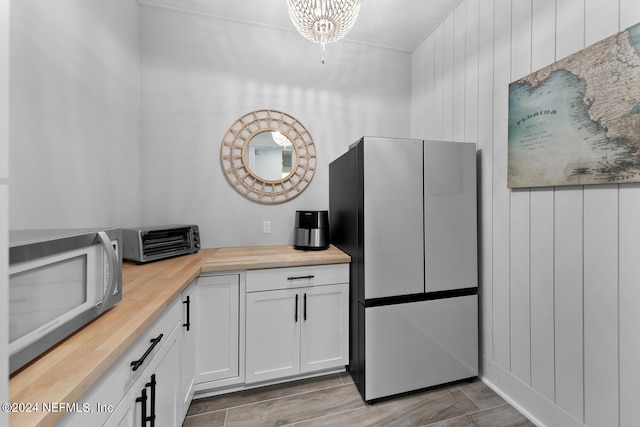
145	244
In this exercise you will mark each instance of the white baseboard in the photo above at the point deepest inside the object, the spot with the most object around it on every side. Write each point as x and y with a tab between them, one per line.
537	408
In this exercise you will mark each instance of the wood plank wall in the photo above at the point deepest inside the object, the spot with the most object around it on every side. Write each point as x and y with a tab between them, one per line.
559	283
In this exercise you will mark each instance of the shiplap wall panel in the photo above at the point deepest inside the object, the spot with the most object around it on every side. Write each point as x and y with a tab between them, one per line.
519	234
602	19
629	13
459	54
629	302
568	256
569	28
418	95
471	105
542	278
520	39
430	90
543	33
438	82
601	305
501	217
448	39
542	293
519	274
568	301
485	175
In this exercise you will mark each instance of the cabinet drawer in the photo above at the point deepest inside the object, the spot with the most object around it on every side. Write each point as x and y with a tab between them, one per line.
114	384
163	325
296	277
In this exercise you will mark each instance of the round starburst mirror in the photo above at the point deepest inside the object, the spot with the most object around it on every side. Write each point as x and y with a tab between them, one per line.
268	156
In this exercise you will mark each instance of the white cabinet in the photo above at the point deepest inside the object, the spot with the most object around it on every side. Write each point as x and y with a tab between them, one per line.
219	331
188	348
273	334
324	337
123	414
287	321
293	328
161	379
112	399
153	398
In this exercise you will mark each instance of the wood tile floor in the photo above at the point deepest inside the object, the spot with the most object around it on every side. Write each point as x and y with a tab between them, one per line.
333	400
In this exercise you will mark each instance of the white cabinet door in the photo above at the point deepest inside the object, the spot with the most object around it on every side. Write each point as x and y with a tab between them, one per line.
273	334
325	327
122	416
167	376
187	349
217	317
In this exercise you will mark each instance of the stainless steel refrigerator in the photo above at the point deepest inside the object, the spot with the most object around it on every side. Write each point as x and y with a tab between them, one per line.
405	211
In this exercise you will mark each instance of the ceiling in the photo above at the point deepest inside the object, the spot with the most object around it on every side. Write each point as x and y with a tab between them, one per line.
396	24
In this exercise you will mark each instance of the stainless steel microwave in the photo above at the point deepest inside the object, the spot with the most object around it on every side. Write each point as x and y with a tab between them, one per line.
59	280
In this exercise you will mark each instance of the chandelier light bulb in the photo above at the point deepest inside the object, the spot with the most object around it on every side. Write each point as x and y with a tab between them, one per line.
323	21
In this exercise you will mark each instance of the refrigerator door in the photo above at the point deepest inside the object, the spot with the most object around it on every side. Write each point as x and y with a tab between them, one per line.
393	219
421	344
450	216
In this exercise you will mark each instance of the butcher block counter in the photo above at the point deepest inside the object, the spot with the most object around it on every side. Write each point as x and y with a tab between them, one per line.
67	371
255	257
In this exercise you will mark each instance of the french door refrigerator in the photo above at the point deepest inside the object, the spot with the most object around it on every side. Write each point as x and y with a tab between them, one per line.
405	211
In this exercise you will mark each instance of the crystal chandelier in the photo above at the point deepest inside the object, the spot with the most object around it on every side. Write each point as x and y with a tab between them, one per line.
323	21
280	139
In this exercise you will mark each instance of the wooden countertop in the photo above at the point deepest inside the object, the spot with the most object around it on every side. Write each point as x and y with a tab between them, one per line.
255	257
67	371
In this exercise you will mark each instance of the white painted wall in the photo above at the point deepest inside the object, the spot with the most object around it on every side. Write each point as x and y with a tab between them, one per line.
201	73
75	113
560	301
4	206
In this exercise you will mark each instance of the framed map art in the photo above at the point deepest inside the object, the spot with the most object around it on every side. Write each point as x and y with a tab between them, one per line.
577	121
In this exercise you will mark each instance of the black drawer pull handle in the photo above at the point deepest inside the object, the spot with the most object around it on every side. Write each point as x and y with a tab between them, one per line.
188	303
301	277
152	384
143	400
137	363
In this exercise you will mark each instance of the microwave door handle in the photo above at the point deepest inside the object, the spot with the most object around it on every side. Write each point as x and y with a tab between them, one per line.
114	271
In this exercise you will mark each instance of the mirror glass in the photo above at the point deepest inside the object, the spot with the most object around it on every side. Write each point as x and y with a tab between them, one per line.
270	156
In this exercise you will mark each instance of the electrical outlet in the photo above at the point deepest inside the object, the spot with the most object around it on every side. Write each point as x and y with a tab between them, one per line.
266	227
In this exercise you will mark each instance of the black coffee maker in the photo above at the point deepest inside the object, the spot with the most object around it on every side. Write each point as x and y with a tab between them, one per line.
311	231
